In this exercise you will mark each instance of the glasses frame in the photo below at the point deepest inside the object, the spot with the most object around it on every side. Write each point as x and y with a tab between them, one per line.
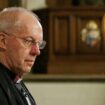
29	43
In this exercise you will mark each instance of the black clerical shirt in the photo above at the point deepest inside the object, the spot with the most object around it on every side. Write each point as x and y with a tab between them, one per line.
12	89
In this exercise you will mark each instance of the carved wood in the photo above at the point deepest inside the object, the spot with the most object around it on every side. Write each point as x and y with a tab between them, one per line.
67	53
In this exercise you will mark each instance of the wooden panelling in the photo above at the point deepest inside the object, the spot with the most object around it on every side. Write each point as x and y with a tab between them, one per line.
68	54
61	36
3	4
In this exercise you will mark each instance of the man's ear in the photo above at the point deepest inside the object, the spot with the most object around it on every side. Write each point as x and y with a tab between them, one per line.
2	41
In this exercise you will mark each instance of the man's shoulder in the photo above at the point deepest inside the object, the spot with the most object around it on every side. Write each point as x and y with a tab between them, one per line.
3	78
5	89
3	81
2	74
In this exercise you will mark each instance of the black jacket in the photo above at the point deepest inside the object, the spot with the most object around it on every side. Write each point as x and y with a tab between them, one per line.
9	94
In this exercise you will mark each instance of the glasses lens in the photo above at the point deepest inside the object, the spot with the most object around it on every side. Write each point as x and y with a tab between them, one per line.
42	44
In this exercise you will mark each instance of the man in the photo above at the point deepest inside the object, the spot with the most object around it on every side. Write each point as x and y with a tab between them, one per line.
21	38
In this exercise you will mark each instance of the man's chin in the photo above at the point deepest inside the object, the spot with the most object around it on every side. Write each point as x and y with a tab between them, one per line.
28	69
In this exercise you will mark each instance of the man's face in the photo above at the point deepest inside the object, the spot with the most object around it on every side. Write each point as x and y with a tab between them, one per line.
20	56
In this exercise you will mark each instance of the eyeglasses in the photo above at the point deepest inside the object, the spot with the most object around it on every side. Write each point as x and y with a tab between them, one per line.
29	41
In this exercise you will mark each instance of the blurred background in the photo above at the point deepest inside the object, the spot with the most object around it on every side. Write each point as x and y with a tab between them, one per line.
71	68
73	31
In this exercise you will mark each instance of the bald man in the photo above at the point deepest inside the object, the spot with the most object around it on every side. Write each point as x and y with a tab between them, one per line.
21	39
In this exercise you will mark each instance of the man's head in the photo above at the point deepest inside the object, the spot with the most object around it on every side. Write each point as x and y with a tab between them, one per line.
21	38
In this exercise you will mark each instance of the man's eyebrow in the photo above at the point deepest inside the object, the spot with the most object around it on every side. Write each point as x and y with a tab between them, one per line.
29	37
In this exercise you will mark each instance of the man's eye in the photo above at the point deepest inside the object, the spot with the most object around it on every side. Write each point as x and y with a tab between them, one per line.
29	42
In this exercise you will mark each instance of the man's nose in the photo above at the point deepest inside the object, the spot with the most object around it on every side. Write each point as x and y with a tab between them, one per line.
35	50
